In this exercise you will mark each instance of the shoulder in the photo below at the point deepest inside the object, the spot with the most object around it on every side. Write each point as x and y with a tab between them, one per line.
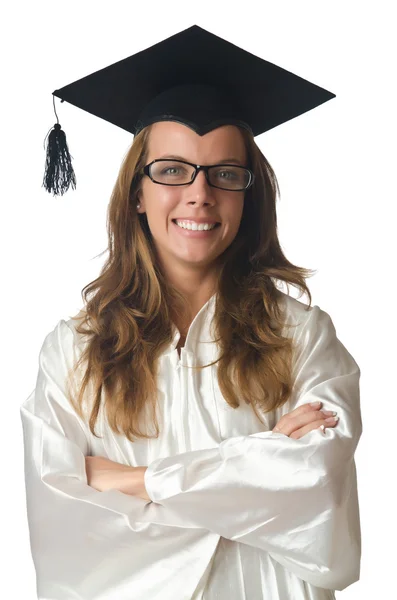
299	317
64	340
314	334
57	379
295	312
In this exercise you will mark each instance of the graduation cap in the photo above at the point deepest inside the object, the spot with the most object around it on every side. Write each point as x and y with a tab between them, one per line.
193	77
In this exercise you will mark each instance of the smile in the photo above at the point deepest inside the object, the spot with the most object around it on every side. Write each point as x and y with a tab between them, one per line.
196	233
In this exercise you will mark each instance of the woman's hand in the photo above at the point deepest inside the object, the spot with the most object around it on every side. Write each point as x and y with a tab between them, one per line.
303	419
104	474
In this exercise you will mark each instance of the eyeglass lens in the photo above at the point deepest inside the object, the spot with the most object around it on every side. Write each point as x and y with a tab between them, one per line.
173	172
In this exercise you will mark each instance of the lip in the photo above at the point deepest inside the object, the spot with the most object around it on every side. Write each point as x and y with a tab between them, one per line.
196	233
198	220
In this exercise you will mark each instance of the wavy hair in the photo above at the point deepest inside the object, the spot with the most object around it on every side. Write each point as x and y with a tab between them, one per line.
128	309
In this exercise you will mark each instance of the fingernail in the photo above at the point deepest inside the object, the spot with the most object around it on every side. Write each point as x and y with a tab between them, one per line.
332	420
315	403
322	427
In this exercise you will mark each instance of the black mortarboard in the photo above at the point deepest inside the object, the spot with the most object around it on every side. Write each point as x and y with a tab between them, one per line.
193	77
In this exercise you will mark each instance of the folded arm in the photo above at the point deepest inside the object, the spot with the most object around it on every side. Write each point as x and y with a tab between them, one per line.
296	499
87	544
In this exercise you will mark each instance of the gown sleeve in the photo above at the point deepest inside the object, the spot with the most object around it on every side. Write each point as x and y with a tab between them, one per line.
87	544
294	498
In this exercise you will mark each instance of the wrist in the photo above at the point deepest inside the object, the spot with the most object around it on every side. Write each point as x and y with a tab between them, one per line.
128	481
134	482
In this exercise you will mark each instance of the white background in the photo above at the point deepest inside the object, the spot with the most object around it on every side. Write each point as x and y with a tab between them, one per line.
336	169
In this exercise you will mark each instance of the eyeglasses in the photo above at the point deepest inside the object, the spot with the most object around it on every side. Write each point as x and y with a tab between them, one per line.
179	172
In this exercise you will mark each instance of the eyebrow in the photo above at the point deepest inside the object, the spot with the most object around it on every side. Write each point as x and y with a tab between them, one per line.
225	160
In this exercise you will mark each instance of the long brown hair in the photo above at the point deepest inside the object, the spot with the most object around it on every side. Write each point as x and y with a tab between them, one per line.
127	319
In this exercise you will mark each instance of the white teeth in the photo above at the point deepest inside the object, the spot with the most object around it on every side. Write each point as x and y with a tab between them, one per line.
195	226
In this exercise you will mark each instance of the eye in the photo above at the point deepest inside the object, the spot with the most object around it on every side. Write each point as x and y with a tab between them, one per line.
226	174
171	170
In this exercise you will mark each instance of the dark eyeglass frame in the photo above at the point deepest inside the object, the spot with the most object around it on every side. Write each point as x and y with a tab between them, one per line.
146	171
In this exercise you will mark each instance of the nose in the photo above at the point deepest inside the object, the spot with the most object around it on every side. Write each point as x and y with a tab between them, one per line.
199	190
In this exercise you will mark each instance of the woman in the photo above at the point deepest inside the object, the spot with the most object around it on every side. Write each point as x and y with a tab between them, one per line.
244	489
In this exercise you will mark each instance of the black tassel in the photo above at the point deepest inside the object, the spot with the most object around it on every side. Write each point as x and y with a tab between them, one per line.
59	174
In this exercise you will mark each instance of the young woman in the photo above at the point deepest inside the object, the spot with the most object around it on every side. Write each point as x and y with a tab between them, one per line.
246	487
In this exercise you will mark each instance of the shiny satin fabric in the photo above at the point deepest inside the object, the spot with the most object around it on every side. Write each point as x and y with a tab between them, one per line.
238	512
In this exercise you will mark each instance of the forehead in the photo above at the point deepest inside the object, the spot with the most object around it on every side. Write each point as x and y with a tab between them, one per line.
169	137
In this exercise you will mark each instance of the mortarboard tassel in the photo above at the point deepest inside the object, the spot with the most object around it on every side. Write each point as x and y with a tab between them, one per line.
59	174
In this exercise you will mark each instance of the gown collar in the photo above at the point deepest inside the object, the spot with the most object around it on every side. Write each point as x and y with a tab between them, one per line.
199	335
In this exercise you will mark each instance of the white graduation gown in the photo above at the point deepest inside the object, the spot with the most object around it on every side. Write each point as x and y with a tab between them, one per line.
237	513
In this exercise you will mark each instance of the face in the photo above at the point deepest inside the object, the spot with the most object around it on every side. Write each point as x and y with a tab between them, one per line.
163	203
